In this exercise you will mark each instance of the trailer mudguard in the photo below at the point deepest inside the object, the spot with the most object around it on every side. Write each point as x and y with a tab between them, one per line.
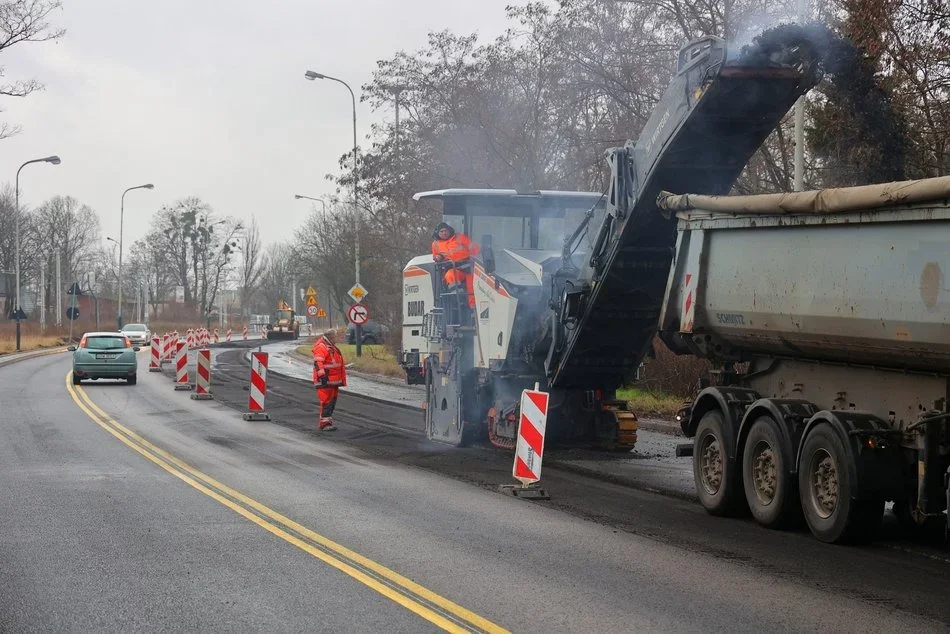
873	450
731	401
791	416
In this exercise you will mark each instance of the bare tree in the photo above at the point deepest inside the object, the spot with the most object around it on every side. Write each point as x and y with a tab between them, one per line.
24	21
252	265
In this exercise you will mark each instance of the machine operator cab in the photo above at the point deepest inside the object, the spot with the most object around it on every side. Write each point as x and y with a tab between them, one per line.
521	238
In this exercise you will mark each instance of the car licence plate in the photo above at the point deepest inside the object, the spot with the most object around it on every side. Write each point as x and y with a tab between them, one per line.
106	356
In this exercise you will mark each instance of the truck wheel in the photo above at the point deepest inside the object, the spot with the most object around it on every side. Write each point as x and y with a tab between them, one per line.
771	492
824	483
716	477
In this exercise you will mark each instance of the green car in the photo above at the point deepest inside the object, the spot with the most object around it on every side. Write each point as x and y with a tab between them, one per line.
104	355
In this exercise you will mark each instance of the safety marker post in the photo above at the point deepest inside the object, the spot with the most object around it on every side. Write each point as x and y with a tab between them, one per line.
258	389
245	333
181	368
530	447
203	382
228	336
190	338
217	337
155	362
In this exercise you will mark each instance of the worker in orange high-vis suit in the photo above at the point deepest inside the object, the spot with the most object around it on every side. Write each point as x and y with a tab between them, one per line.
457	249
329	375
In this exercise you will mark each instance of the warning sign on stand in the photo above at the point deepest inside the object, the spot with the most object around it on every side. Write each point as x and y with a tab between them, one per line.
530	448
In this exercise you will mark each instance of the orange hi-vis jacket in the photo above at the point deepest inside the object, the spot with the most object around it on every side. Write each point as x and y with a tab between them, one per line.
456	248
328	361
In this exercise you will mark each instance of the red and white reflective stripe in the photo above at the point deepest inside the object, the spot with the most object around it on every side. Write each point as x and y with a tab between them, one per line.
689	305
181	363
227	336
245	333
255	401
203	384
530	447
217	337
156	359
190	338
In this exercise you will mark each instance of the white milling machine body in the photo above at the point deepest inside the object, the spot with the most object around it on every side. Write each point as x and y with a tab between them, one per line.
579	318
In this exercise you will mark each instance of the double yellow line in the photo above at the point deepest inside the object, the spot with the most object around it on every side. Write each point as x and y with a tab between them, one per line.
436	609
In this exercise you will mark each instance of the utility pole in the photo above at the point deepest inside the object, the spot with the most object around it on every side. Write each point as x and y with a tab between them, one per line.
42	296
800	118
59	291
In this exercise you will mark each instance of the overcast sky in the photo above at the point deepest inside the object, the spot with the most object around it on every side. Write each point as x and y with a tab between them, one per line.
207	98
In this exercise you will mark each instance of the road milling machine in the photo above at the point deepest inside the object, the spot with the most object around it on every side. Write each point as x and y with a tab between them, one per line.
284	324
569	285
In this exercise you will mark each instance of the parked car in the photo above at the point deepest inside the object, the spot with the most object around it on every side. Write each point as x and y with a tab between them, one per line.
105	355
373	332
138	334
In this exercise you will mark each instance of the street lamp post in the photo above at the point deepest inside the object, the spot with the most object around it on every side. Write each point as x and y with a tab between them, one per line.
121	227
311	75
319	200
17	310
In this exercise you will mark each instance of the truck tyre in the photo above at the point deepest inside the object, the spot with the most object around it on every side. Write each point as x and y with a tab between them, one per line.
716	477
824	482
770	490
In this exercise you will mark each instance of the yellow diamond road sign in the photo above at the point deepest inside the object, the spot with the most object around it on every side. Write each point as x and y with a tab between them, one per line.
311	292
358	292
311	301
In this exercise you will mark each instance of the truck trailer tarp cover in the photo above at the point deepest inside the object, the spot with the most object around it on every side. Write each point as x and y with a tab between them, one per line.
813	202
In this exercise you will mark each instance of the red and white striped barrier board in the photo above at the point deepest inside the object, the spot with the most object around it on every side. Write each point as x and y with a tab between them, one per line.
217	337
255	400
155	362
204	337
227	336
245	333
203	378
190	339
181	367
530	447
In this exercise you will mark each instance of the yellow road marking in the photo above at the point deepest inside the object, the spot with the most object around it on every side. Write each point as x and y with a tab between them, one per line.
450	616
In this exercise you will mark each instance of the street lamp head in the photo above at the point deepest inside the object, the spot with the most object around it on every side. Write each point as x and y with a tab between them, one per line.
149	186
298	196
311	75
55	160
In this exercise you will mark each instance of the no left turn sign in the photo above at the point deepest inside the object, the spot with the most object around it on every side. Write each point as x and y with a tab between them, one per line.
358	314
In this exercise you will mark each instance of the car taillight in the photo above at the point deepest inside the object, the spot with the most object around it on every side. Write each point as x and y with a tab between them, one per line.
82	343
128	343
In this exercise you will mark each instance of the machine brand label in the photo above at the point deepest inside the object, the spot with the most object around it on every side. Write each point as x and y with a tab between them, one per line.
410	289
730	319
415	308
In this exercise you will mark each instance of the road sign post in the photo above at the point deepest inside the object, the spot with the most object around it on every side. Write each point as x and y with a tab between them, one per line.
358	292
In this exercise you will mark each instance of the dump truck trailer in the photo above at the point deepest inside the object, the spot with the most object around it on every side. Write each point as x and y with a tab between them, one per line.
826	316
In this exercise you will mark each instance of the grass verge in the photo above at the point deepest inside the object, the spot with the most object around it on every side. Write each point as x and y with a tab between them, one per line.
650	403
375	359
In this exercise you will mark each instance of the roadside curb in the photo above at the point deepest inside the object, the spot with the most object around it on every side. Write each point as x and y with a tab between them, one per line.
365	397
10	359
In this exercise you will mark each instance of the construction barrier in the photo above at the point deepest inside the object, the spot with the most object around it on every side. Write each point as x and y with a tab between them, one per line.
258	390
190	338
228	336
203	379
155	362
181	367
530	448
245	333
217	338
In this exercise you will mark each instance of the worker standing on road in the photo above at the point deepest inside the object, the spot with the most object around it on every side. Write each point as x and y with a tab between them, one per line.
456	248
329	375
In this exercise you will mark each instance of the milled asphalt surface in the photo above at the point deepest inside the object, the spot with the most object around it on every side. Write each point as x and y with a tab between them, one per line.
93	536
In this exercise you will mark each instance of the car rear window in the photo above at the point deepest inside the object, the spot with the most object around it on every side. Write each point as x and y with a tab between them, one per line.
105	343
135	328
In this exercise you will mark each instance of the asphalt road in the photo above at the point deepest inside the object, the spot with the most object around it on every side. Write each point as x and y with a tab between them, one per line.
130	508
